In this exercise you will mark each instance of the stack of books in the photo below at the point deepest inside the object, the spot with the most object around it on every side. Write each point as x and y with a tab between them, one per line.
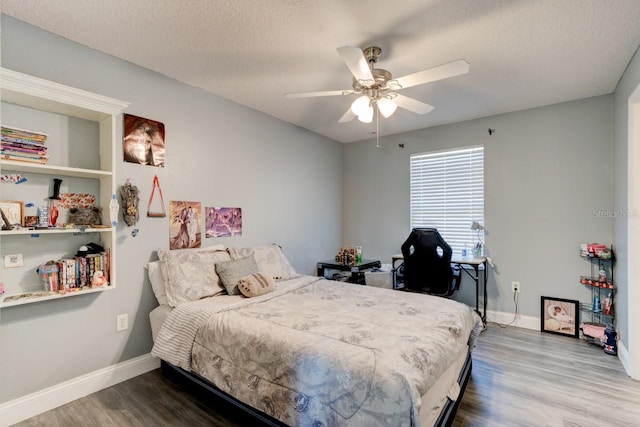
23	145
77	272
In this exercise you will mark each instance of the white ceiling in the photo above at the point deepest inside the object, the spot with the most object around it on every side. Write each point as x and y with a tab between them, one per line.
523	53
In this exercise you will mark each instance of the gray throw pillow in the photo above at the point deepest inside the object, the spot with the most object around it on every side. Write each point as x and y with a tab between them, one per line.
230	272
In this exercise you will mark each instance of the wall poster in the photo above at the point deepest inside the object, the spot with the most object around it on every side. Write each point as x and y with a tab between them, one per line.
184	228
223	222
143	141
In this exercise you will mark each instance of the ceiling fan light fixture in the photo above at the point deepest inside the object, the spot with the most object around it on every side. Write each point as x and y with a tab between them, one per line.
366	116
360	105
387	107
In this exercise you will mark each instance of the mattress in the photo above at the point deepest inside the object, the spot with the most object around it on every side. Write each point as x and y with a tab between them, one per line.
311	351
157	318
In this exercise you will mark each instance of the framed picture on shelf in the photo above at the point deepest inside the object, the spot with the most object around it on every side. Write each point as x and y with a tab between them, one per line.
31	221
14	211
559	316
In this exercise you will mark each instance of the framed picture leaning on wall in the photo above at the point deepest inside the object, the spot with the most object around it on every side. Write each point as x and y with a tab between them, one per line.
559	316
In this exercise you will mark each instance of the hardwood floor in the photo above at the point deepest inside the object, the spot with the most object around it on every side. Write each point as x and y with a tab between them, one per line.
520	378
528	378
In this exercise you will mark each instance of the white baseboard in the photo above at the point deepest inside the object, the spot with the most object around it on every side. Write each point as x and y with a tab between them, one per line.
41	401
623	355
526	322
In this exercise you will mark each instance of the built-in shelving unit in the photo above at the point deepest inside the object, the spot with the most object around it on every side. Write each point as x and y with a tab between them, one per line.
42	97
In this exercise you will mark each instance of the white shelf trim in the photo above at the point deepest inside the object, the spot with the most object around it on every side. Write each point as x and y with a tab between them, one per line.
69	294
24	84
17	166
25	231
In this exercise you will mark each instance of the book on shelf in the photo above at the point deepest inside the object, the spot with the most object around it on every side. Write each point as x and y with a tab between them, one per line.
13	132
9	149
40	160
81	263
7	140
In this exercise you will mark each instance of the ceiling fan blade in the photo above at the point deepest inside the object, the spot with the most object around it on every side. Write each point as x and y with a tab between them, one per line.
357	63
440	72
322	93
411	104
347	117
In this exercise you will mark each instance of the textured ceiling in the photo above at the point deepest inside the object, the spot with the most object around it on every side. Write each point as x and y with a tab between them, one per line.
523	53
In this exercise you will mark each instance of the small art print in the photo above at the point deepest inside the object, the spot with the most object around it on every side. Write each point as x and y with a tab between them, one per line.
559	316
223	222
184	229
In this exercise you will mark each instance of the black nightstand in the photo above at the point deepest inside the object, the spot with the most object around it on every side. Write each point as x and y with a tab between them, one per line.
357	270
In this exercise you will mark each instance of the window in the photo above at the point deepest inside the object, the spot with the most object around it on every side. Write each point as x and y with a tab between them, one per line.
447	193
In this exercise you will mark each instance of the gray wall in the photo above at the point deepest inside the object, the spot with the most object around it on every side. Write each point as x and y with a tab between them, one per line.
626	85
546	171
288	182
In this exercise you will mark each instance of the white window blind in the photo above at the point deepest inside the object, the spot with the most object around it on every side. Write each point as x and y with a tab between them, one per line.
447	193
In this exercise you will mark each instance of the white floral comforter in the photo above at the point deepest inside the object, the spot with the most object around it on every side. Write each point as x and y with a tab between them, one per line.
321	353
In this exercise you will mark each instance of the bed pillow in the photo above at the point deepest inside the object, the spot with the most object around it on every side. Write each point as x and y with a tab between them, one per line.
190	274
270	259
256	284
157	282
231	272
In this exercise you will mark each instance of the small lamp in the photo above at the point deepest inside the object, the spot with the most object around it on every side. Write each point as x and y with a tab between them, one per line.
478	249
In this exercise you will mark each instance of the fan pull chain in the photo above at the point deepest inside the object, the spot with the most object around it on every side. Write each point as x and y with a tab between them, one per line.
377	133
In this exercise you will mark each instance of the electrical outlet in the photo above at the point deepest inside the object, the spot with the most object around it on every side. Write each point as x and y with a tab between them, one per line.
515	286
122	322
13	261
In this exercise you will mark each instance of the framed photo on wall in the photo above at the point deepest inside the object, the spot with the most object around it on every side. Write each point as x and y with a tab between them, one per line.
14	211
559	316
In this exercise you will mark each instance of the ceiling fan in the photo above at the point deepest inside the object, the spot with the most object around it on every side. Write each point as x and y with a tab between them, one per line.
377	87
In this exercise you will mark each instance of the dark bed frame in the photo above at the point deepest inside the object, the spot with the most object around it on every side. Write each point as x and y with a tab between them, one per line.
445	419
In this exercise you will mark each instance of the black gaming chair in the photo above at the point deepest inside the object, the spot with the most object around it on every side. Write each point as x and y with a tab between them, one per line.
427	264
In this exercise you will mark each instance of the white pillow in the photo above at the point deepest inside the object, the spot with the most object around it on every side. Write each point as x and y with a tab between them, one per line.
190	274
270	259
157	282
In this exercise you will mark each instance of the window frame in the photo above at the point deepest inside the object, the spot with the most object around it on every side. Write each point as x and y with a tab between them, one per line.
440	179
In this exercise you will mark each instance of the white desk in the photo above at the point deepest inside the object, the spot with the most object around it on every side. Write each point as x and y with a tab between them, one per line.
470	261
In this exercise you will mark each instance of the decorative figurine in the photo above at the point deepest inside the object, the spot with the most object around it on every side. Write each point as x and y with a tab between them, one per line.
129	196
43	216
98	279
53	205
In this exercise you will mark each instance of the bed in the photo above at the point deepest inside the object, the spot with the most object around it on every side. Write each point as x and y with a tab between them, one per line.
313	351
